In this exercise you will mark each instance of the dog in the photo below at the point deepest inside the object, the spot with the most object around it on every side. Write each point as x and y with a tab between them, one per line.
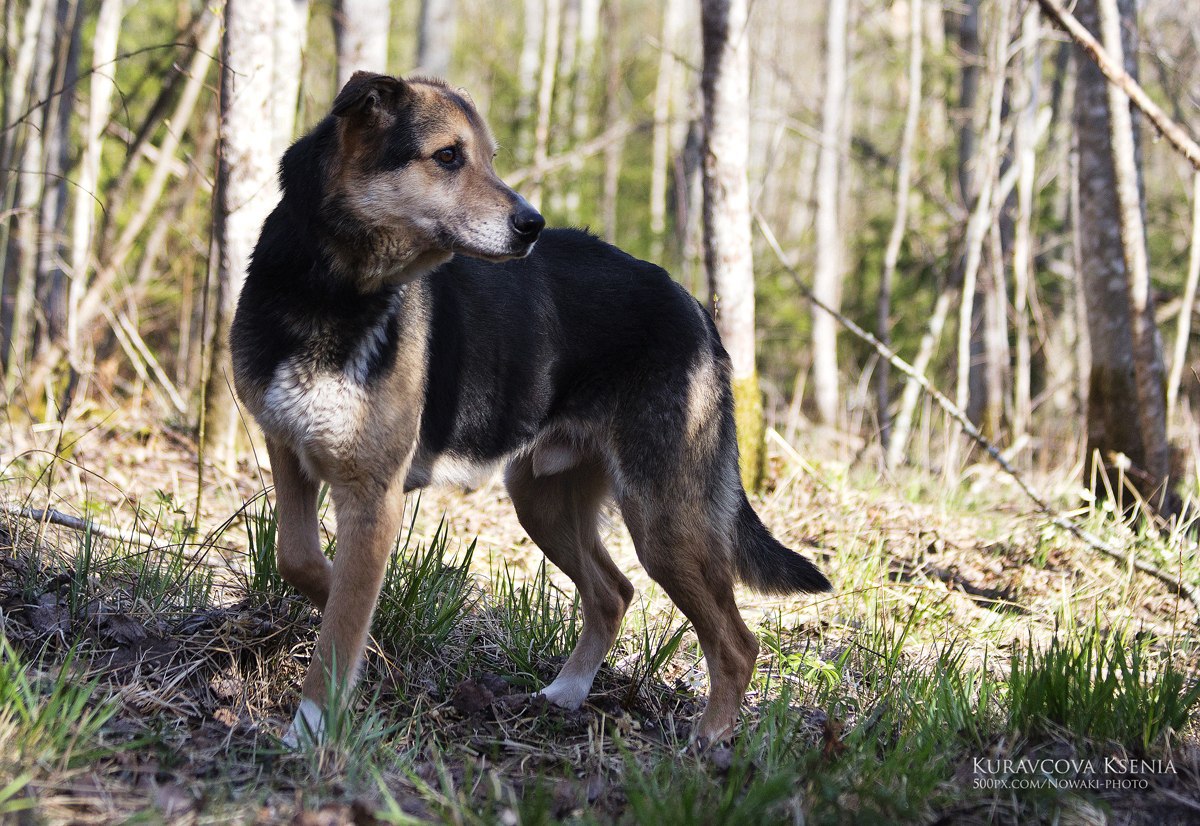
406	321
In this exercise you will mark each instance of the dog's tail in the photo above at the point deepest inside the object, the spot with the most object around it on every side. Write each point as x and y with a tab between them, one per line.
766	565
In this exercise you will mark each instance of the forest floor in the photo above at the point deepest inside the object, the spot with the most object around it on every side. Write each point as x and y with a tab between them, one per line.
974	664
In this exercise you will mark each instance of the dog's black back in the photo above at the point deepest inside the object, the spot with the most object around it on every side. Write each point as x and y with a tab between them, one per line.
563	333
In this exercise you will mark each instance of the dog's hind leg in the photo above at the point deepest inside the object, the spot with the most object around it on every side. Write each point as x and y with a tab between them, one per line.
686	553
298	554
560	512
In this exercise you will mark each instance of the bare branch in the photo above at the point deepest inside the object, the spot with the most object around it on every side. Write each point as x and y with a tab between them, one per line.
1055	517
1117	75
74	523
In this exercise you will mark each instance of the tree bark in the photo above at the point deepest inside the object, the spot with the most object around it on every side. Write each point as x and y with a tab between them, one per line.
53	283
102	85
17	91
986	163
589	26
1116	421
1149	374
827	275
287	67
435	42
1024	144
545	96
728	254
891	254
247	190
360	34
1184	327
30	185
995	334
612	114
527	78
660	152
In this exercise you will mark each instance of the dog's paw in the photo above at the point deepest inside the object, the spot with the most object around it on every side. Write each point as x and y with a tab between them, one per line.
566	693
308	727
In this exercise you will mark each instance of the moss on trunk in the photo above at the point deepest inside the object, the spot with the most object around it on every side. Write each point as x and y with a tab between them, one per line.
751	430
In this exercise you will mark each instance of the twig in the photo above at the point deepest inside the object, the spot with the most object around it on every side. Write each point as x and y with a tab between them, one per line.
1116	74
74	523
1056	518
598	144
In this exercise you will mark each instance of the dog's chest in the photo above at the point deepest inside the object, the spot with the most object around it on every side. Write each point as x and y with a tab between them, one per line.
319	410
319	400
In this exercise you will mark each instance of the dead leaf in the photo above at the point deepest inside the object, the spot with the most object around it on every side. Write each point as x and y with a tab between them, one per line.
471	697
123	629
49	616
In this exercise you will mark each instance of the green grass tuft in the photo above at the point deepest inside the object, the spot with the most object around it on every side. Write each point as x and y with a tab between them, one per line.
47	720
423	599
537	618
1099	688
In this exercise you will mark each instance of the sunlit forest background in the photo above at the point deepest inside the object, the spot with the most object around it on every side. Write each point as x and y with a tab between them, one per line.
597	110
960	180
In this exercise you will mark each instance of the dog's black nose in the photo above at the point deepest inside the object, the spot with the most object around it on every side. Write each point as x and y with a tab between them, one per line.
527	222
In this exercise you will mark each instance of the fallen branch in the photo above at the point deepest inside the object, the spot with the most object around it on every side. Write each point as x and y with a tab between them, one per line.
1055	517
74	523
1117	75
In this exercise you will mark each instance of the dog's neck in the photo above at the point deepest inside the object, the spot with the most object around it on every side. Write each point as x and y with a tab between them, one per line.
374	260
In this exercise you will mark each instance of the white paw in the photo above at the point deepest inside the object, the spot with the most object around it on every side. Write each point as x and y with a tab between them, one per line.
308	727
567	692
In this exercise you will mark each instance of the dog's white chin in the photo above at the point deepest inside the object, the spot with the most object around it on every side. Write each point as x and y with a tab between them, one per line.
497	257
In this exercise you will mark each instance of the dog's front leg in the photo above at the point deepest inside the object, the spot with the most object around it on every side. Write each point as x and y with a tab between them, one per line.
368	518
299	556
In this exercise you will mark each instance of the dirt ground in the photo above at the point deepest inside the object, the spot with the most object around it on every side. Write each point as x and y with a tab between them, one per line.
210	687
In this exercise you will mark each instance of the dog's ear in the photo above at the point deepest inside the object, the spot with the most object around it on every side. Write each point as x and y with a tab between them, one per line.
367	93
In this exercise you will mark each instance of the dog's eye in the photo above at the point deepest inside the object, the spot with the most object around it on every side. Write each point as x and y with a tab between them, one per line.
447	156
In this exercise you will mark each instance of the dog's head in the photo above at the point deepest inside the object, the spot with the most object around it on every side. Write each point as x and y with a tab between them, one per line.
414	167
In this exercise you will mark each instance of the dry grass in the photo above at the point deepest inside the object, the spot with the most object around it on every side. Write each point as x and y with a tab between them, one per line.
871	705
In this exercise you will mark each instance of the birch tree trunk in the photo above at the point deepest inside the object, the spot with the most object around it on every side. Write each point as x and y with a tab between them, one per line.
1024	143
612	114
589	27
22	41
545	97
661	142
30	185
1149	374
995	333
102	85
891	254
247	190
527	78
287	64
827	275
1122	417
568	64
435	41
360	34
728	254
